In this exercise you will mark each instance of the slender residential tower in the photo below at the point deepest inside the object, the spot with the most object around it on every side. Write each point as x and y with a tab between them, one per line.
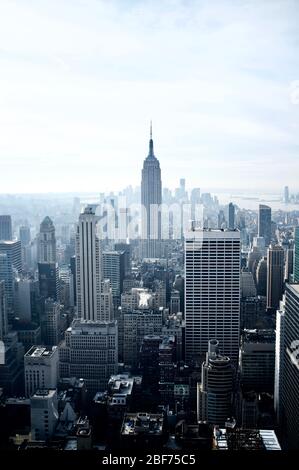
151	199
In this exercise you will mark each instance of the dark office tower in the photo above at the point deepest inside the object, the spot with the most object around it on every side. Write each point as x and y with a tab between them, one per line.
296	257
261	277
47	242
275	275
231	216
73	271
151	199
287	367
257	360
114	270
50	323
5	227
126	248
48	276
264	223
25	236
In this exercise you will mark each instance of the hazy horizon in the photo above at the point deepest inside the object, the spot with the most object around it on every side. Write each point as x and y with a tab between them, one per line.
80	82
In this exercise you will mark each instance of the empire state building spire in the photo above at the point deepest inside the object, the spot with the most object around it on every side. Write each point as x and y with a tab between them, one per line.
151	143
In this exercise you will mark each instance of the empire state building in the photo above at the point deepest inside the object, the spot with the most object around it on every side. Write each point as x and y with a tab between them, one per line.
151	199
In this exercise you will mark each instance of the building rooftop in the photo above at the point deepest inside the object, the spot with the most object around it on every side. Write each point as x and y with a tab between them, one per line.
8	242
80	326
246	439
295	287
142	423
259	336
41	351
122	385
44	393
168	342
198	235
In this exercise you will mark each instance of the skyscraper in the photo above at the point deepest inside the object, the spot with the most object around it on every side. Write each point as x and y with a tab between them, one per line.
88	266
264	223
287	368
221	220
25	235
3	311
275	275
50	323
47	242
215	393
231	216
257	360
286	195
10	268
195	203
114	269
261	277
151	199
14	254
296	257
107	307
48	277
212	291
5	227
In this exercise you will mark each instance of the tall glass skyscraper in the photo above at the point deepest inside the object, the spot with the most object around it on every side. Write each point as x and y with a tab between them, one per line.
264	223
151	199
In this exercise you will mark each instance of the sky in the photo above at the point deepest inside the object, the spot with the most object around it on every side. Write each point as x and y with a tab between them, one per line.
80	81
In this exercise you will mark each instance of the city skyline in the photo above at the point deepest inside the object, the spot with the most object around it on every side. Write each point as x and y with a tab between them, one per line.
109	69
149	229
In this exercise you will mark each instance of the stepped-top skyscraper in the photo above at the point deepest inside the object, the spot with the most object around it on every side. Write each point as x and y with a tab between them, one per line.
47	242
151	199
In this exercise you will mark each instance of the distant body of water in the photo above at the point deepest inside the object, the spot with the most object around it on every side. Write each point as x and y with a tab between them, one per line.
252	202
244	201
